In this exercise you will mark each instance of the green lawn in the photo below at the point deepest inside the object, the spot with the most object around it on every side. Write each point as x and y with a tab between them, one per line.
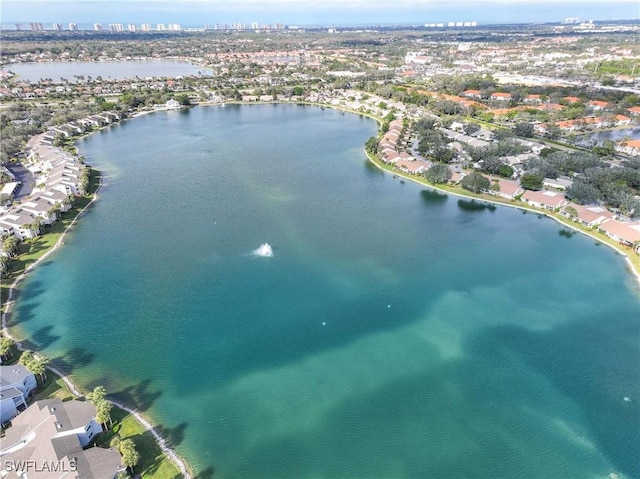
153	463
53	387
30	251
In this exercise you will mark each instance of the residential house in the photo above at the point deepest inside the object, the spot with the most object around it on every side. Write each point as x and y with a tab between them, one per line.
532	99
507	189
54	433
549	200
500	96
597	105
623	232
19	223
16	385
589	216
634	110
560	183
472	93
412	167
631	147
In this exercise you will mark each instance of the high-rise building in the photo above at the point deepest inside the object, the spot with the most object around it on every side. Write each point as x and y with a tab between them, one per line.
131	27
145	27
73	27
36	27
97	27
174	27
116	27
161	27
19	26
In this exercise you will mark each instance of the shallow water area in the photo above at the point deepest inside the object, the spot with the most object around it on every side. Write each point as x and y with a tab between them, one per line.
395	332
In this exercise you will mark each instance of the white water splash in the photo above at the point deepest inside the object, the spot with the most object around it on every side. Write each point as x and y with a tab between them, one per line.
264	250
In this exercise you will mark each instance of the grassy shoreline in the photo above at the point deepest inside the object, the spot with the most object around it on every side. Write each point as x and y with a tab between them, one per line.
157	460
633	260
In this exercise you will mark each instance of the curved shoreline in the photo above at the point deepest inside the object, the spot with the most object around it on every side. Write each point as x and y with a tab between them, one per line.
634	272
181	464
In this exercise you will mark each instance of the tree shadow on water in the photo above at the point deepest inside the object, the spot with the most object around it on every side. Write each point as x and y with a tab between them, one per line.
207	473
43	338
139	396
73	359
173	435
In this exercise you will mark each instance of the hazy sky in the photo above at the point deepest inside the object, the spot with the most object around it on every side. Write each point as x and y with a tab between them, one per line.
313	12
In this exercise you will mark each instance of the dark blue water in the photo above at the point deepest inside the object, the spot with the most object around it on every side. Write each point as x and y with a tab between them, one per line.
395	333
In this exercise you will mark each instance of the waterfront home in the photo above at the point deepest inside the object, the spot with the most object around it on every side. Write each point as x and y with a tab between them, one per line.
414	167
589	216
53	433
623	232
16	385
41	208
21	224
549	200
507	189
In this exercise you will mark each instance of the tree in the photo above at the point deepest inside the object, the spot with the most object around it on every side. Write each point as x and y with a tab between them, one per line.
470	128
524	129
443	154
183	99
438	173
26	357
103	412
6	347
475	182
97	395
39	367
130	455
372	145
583	193
571	211
505	170
531	181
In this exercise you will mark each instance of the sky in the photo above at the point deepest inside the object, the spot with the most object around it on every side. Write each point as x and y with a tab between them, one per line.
197	13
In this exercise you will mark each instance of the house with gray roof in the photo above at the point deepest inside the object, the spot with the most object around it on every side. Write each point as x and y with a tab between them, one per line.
16	384
46	442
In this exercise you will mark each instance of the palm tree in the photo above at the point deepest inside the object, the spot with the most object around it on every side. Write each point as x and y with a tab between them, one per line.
97	395
130	455
26	357
6	347
103	415
39	367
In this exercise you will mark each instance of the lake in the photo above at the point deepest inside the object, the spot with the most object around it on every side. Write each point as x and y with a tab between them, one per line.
70	71
396	332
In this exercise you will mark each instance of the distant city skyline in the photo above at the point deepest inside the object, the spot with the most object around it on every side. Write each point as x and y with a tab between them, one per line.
190	13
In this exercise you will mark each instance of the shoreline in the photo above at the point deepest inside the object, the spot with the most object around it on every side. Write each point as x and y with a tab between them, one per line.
634	272
171	454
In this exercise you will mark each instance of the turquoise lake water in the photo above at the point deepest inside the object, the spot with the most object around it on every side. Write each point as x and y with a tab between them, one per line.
396	332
